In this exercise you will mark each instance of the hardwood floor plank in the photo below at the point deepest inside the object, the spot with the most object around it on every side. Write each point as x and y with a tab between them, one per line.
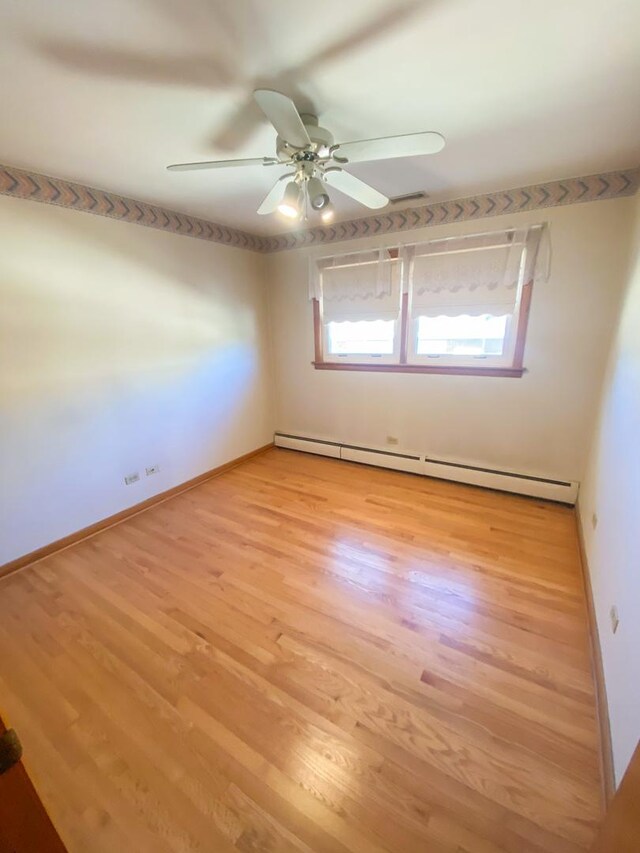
310	655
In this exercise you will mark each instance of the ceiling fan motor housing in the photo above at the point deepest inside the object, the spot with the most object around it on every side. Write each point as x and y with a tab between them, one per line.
321	141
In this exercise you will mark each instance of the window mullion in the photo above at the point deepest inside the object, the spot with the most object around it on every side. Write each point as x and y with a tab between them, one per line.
523	322
318	333
404	328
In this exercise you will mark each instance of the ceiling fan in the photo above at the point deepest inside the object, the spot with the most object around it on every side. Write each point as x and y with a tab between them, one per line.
316	161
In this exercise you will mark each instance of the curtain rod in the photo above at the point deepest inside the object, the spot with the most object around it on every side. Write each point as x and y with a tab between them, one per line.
474	249
478	234
425	255
538	225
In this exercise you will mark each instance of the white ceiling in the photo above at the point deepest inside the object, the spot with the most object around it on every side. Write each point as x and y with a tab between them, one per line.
108	92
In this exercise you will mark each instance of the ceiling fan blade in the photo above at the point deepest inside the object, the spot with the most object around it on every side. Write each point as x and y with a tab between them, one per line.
205	71
223	164
387	147
354	187
284	116
374	27
239	126
274	196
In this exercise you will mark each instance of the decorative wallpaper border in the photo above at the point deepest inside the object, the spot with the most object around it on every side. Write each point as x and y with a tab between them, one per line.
29	185
552	194
34	187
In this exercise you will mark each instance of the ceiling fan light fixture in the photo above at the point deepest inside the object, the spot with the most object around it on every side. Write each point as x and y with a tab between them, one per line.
327	213
290	204
318	196
288	210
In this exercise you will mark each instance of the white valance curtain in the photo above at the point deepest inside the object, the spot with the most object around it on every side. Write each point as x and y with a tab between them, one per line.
358	286
473	274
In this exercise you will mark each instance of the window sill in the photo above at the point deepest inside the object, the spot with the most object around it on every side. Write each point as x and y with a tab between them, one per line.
504	372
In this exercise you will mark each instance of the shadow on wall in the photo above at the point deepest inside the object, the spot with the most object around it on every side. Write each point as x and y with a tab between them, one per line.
611	490
113	306
120	348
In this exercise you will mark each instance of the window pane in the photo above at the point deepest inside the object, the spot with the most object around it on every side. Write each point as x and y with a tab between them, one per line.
366	337
462	335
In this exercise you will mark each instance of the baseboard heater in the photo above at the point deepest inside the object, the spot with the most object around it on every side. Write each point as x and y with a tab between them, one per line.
443	469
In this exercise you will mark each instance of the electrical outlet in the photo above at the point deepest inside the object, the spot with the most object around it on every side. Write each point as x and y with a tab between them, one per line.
131	478
594	520
613	615
391	439
152	469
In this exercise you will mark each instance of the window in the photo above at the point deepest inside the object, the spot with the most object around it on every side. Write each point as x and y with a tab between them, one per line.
365	337
456	305
462	335
361	308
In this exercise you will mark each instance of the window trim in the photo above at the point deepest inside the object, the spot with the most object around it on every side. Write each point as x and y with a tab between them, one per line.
515	370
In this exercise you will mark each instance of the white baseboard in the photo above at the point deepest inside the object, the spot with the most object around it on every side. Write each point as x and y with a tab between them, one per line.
395	461
520	483
308	445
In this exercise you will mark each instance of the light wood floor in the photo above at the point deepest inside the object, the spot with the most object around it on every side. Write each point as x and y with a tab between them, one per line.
308	655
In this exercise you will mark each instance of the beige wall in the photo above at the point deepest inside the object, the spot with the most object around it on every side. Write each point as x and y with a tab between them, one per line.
611	489
121	347
539	424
